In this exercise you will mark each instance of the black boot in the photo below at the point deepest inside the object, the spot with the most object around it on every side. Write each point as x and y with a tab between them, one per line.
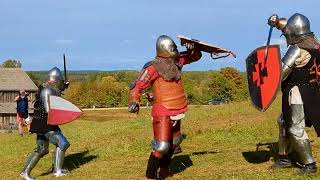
282	162
152	167
165	161
308	169
164	170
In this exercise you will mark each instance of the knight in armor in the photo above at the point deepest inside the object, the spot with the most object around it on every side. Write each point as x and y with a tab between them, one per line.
47	133
300	92
163	74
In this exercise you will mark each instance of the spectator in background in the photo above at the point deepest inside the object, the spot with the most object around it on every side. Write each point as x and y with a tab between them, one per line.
22	110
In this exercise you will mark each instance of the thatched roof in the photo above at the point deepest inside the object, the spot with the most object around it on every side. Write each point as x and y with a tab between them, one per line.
15	79
11	108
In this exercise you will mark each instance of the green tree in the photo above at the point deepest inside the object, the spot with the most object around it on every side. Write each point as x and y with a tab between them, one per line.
237	81
10	63
36	78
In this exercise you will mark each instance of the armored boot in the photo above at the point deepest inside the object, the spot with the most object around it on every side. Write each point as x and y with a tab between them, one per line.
282	162
283	143
303	149
152	167
308	169
30	164
164	170
58	163
304	152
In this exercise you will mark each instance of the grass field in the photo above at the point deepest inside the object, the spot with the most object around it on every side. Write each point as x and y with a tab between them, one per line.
221	143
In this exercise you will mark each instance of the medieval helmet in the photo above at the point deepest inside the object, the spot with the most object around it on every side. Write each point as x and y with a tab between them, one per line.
166	47
55	75
297	26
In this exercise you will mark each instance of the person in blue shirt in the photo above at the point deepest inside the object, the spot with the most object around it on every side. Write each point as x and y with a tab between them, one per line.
22	101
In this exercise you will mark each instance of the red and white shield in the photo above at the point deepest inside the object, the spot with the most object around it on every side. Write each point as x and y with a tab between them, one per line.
61	111
264	76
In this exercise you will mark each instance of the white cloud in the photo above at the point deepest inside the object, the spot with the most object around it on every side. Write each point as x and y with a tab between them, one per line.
63	41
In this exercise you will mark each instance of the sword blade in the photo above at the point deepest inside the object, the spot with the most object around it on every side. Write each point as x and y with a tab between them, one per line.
65	67
268	43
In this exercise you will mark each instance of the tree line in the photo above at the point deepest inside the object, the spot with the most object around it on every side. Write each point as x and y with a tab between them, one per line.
111	89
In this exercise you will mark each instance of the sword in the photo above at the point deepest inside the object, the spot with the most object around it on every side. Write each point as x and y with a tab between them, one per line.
65	67
268	43
264	71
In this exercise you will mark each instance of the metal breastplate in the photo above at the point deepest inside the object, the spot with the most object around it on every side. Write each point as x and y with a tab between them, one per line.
169	94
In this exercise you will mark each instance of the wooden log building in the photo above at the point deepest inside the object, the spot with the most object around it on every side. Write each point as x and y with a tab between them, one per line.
12	80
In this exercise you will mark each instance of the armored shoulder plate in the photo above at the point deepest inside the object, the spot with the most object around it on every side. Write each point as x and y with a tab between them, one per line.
147	65
133	84
44	94
289	60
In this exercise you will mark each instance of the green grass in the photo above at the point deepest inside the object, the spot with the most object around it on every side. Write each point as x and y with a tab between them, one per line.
221	144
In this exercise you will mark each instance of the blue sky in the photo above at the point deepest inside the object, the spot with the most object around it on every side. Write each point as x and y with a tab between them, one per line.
121	34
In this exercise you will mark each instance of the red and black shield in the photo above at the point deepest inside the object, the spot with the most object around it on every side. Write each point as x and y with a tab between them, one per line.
264	76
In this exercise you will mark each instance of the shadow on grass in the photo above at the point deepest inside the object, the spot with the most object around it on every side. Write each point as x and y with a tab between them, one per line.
261	156
180	163
74	161
203	153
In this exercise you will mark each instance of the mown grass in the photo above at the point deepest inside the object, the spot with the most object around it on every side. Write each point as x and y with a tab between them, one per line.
221	143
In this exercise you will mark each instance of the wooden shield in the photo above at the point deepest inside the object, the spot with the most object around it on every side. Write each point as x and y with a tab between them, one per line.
62	111
264	76
206	47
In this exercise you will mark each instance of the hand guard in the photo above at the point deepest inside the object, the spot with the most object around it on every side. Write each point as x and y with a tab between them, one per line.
194	50
66	84
134	107
273	20
189	46
196	53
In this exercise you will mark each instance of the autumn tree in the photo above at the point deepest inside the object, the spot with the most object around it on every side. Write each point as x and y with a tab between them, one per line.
111	89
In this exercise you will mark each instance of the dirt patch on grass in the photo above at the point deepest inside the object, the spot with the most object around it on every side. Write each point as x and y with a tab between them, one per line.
112	114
